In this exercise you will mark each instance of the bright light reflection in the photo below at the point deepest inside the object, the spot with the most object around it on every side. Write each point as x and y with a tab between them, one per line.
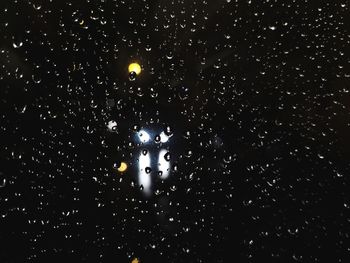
144	136
163	137
112	125
163	164
135	67
144	178
123	166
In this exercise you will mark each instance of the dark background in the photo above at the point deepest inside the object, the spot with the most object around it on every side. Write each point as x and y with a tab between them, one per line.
256	94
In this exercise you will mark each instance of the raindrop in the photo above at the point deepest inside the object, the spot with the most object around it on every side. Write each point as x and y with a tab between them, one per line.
339	175
175	167
36	6
117	164
157	138
228	159
148	170
168	131
132	75
167	156
187	134
112	126
22	109
188	154
3	183
18	44
136	128
144	152
93	104
183	92
36	79
169	55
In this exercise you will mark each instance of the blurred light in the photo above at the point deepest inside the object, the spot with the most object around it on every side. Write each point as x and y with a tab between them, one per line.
144	136
112	125
122	168
135	260
163	164
163	137
134	67
144	178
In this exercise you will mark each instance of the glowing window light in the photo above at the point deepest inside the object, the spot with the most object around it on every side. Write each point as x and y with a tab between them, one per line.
163	164
144	177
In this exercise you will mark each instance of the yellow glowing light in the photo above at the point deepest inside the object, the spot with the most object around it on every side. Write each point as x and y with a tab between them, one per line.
135	67
135	260
122	168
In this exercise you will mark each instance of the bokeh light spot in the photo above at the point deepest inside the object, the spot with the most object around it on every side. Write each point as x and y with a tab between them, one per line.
135	67
122	168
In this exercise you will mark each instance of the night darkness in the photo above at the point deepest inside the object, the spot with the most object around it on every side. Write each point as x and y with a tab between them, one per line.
232	143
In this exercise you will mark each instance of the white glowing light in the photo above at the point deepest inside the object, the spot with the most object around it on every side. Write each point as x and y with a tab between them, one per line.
112	125
144	178
163	137
144	136
163	164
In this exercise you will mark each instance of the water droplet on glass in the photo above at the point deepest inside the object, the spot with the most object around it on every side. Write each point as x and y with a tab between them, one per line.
168	131
183	92
175	167
132	75
116	165
17	44
157	138
167	156
112	126
36	79
169	55
3	183
36	6
228	159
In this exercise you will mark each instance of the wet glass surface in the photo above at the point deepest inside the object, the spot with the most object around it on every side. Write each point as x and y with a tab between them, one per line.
174	131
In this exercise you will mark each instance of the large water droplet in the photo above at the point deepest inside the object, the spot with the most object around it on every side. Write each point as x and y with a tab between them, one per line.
157	138
17	44
132	75
167	156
